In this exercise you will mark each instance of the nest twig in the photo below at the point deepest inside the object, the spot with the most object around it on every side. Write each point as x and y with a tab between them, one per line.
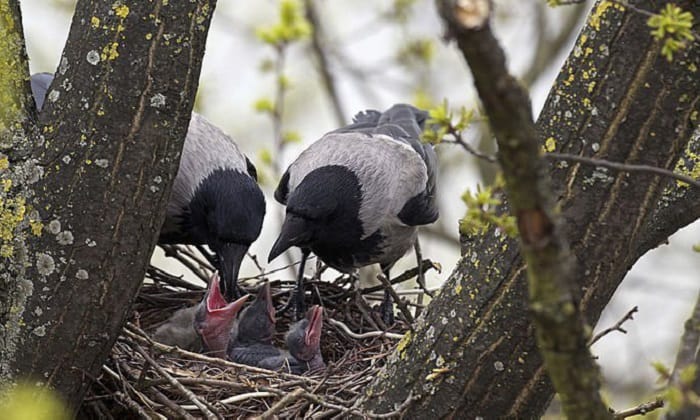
146	379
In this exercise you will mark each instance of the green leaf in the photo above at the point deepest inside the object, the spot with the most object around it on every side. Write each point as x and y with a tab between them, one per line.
264	105
265	156
661	369
687	375
291	137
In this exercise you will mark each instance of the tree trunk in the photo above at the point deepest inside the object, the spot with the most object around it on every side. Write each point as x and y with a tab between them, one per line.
473	353
112	130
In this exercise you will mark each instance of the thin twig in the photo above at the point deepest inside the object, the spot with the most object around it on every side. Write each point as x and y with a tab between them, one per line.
639	410
406	275
276	270
247	396
624	167
397	299
176	252
185	392
176	409
469	148
617	327
369	334
279	405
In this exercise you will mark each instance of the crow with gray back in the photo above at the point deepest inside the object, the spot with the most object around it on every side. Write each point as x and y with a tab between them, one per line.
356	196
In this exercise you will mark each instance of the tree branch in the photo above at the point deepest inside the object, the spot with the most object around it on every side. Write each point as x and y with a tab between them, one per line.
640	410
617	327
558	324
623	167
323	64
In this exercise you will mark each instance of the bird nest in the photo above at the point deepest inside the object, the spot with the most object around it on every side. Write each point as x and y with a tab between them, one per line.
144	378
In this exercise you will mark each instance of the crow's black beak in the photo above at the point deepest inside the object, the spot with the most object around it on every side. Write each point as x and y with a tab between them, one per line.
295	232
230	256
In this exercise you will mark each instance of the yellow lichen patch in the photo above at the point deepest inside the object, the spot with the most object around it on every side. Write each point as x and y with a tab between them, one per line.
586	102
582	40
149	36
458	289
4	163
95	22
689	165
600	12
6	184
7	251
403	343
109	52
550	145
693	67
121	10
571	78
591	86
36	227
12	213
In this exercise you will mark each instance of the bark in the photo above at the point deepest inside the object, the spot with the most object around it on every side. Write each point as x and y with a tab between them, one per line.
112	129
473	352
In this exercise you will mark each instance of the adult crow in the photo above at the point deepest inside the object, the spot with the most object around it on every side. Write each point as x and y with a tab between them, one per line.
215	198
356	196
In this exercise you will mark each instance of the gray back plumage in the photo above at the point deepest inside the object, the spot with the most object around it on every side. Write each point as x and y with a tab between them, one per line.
385	152
40	83
206	149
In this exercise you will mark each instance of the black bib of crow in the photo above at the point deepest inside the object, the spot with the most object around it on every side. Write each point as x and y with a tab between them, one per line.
328	200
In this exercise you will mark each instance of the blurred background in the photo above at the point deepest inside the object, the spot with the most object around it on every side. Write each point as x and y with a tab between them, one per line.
370	54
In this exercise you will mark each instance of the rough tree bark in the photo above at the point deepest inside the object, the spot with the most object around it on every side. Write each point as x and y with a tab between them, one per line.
473	352
112	129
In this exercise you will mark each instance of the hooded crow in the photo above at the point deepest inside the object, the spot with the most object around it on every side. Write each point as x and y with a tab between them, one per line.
215	198
356	196
205	327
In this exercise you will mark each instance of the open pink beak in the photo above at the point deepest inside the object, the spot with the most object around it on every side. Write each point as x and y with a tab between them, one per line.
313	332
218	318
217	305
266	294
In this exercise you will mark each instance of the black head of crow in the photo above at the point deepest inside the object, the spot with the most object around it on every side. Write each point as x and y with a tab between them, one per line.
215	200
356	196
215	197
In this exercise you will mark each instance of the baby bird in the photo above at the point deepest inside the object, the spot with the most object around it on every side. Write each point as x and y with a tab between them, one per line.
205	327
304	343
251	336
